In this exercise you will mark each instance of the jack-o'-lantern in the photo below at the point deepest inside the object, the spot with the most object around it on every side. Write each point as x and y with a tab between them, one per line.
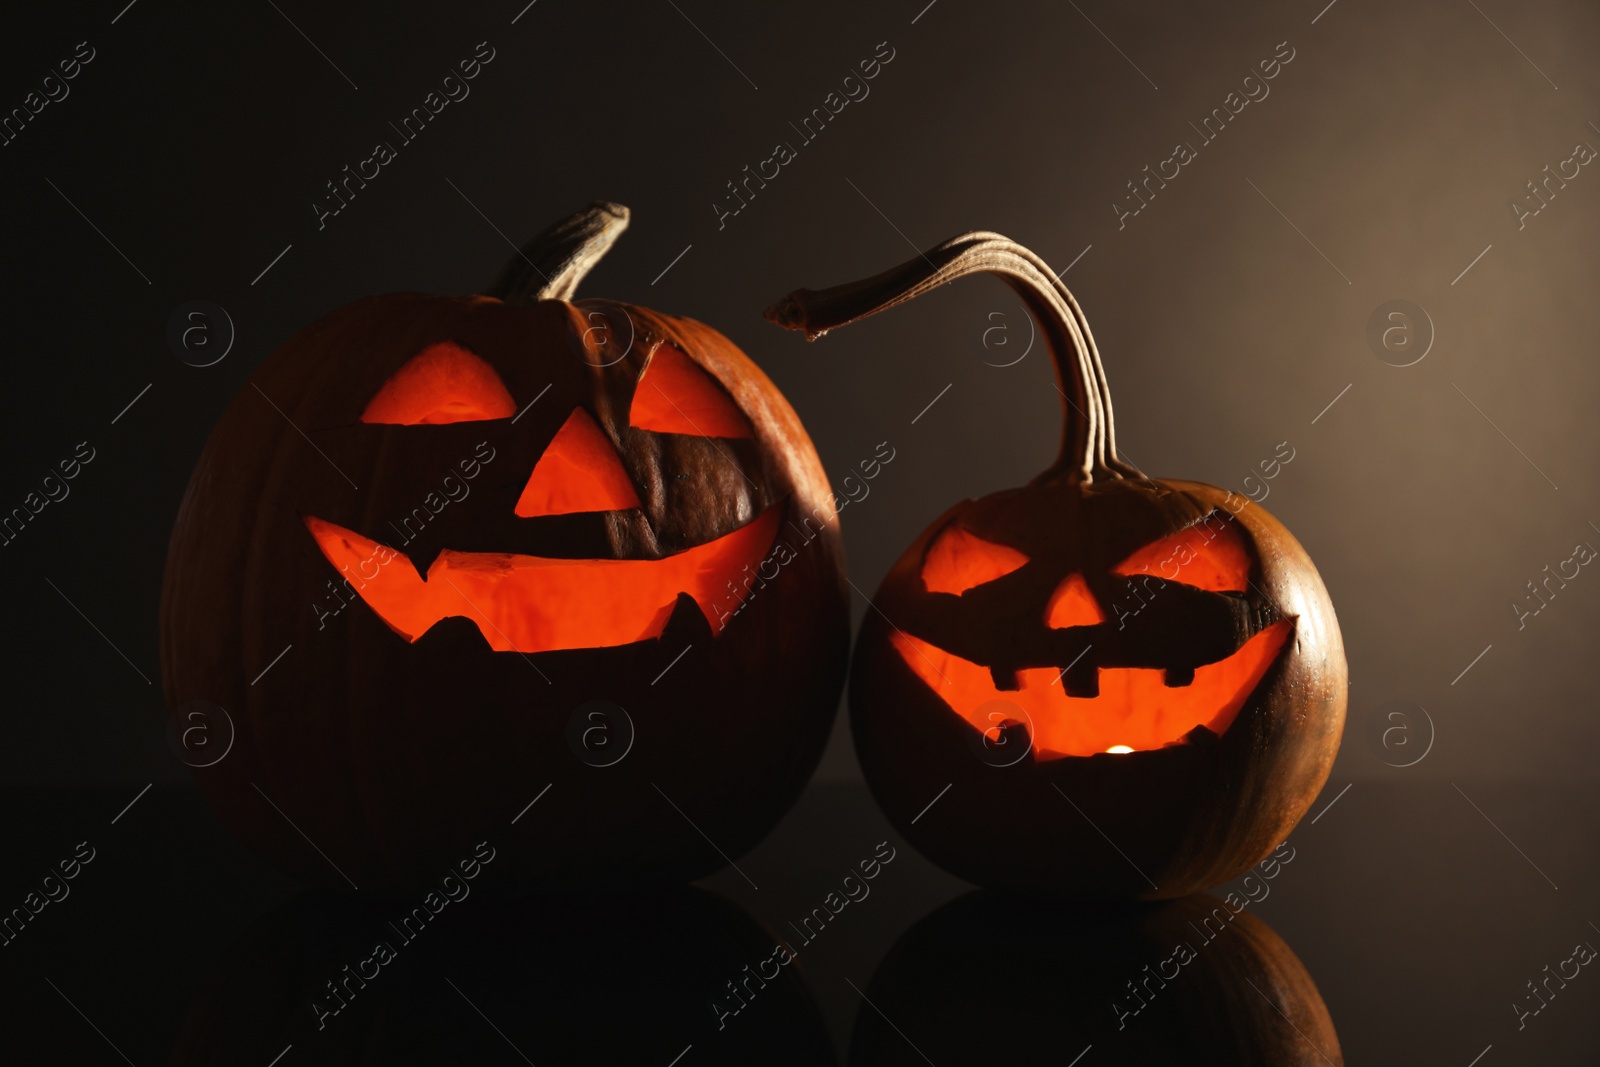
443	555
1129	687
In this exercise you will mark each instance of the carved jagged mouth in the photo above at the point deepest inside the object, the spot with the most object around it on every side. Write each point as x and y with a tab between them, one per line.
1135	708
534	604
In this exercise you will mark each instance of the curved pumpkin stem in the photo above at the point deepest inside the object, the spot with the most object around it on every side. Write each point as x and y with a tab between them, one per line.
1088	446
551	266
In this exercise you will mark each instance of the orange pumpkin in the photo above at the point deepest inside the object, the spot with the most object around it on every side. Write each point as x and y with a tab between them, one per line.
1130	687
443	553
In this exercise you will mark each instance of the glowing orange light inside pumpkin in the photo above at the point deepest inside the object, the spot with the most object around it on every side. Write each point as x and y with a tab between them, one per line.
1209	555
1072	605
523	603
675	396
442	383
958	560
1135	711
579	471
1119	750
533	604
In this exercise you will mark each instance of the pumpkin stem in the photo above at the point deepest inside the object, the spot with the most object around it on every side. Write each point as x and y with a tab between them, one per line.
1088	447
550	266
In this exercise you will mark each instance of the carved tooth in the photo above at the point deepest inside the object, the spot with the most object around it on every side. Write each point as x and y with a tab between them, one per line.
1178	676
1005	679
1083	678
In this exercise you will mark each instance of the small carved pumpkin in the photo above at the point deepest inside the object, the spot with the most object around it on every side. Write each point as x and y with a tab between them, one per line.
443	553
1131	687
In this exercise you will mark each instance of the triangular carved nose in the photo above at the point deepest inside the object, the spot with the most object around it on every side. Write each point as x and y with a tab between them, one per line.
1072	604
579	471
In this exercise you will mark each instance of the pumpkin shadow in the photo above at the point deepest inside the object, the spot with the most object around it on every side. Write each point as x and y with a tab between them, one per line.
996	977
597	979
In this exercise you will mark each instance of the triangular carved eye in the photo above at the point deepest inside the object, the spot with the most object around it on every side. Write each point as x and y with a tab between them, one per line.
580	471
1072	605
958	561
675	396
1211	554
442	383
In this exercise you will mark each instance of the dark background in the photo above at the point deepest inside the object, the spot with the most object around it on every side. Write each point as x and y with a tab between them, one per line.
190	150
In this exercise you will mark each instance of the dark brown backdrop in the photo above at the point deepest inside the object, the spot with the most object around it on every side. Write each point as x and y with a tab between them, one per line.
1232	309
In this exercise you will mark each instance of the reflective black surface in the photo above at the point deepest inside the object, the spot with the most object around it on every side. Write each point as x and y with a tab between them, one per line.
1418	921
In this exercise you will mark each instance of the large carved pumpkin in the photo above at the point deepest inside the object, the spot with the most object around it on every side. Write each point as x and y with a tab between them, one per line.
1129	687
1000	978
445	553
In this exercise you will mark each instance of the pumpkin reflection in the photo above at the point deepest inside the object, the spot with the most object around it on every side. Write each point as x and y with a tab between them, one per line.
1000	978
626	979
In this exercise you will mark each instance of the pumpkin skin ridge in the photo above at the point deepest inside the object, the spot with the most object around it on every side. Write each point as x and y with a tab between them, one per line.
1323	707
215	640
756	391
